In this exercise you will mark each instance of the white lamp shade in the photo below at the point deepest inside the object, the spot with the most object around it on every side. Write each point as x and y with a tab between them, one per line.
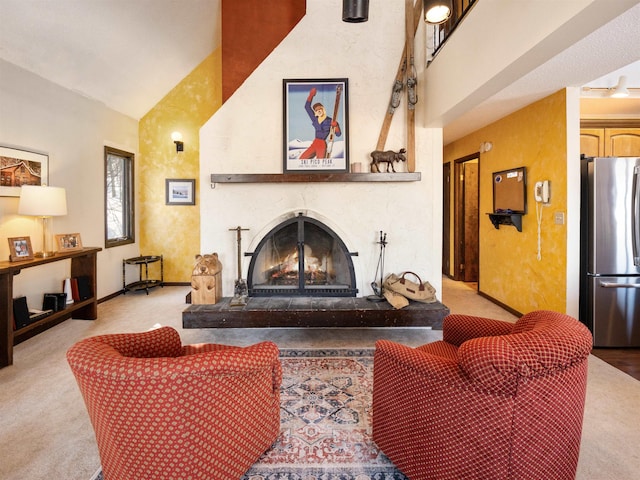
621	90
42	201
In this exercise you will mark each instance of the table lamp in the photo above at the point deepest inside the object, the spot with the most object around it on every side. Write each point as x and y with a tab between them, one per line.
44	202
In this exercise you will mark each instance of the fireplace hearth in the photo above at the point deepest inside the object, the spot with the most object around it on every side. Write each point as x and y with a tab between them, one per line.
301	256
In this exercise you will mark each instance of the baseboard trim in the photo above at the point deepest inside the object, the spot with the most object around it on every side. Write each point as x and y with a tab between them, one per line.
166	284
500	304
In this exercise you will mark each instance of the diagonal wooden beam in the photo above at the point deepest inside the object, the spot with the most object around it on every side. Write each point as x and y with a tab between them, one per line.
411	85
386	124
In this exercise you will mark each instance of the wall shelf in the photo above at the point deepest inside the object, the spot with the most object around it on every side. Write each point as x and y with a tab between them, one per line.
313	177
514	219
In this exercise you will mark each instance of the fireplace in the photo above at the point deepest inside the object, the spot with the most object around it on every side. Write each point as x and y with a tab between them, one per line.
301	256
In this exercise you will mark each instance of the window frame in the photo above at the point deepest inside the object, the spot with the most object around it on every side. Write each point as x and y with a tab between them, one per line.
129	198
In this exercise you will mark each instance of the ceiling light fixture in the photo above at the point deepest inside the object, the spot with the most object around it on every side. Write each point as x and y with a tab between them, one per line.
355	11
620	91
437	11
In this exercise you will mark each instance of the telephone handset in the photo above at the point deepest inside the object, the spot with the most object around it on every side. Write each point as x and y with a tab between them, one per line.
541	191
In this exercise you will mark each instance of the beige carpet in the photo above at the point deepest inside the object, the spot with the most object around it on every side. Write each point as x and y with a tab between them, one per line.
45	432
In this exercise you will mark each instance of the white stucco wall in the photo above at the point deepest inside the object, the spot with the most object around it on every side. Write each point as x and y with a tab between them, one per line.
245	136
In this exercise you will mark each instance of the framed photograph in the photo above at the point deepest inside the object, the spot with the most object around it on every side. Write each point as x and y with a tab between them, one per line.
68	242
316	125
21	167
180	191
20	249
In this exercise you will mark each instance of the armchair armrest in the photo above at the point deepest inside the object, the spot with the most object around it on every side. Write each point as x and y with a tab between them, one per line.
418	362
458	328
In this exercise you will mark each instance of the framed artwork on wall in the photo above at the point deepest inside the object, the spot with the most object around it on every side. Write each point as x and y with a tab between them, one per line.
20	249
21	167
180	191
315	125
68	242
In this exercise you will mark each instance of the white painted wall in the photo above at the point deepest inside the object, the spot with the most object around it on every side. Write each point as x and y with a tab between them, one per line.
36	114
245	136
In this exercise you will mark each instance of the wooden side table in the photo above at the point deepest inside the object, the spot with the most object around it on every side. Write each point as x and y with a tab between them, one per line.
143	283
83	263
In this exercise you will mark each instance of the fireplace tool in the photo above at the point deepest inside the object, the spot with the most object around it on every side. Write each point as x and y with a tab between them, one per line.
240	290
377	289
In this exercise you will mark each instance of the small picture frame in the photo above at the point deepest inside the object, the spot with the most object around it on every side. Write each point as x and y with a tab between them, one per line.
180	191
20	249
68	242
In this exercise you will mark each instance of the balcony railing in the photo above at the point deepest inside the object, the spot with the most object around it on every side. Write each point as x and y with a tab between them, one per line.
437	35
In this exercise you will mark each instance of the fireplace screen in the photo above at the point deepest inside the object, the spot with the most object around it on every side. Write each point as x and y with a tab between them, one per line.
301	256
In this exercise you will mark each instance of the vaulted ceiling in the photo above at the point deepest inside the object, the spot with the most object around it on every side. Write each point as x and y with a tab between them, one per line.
128	54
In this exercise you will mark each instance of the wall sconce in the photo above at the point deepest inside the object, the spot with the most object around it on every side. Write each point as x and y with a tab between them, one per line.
177	139
486	147
44	202
355	11
437	11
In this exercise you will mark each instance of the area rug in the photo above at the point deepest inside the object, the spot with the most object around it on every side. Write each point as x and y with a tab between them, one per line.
326	420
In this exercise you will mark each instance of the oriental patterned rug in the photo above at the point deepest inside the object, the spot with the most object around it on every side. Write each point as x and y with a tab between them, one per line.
326	420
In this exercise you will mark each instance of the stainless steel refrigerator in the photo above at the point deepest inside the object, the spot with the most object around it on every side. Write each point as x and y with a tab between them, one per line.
610	250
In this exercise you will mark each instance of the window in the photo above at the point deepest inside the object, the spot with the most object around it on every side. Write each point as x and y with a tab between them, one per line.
119	204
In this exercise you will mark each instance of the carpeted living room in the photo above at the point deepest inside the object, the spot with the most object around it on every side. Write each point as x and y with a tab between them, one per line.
46	432
200	100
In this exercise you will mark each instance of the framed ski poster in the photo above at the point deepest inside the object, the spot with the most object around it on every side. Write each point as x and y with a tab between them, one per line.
316	130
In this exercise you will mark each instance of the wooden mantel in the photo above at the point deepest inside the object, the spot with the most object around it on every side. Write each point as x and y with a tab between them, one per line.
313	177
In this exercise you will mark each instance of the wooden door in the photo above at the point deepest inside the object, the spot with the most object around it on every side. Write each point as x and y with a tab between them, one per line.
471	222
466	222
446	219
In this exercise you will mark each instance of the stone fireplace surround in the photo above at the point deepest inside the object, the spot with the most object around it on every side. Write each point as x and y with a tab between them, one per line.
355	212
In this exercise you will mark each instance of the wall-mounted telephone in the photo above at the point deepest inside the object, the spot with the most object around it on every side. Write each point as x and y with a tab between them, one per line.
541	191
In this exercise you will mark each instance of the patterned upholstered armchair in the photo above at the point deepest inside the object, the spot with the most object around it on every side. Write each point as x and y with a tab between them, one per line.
492	400
161	410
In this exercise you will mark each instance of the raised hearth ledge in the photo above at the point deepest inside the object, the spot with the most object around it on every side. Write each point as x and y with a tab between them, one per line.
267	312
313	177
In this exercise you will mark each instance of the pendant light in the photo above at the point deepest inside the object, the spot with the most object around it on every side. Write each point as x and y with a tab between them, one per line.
355	11
437	11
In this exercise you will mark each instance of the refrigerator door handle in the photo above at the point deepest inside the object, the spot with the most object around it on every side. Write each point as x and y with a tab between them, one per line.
635	216
619	285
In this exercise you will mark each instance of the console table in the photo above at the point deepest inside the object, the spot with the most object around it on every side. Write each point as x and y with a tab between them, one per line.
83	263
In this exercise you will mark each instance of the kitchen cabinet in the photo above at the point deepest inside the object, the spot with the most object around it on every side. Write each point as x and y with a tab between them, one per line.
610	142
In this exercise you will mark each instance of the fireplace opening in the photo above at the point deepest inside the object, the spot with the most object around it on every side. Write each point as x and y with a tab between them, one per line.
301	256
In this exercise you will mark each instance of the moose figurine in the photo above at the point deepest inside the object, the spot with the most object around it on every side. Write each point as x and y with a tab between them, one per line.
388	157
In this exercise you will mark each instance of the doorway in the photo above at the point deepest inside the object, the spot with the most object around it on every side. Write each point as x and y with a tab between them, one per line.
446	219
466	218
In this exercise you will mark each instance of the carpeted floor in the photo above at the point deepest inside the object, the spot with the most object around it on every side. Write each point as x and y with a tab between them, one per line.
45	431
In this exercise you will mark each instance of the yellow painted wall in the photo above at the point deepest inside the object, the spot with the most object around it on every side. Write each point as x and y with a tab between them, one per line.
174	231
534	137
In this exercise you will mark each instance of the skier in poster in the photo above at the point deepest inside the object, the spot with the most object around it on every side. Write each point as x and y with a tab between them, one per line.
324	127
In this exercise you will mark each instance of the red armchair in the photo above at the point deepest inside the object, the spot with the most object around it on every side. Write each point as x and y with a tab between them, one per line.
165	411
492	400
